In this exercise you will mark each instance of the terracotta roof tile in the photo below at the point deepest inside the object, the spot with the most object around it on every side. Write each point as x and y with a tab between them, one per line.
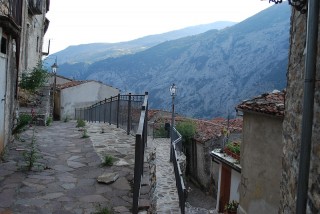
268	103
70	84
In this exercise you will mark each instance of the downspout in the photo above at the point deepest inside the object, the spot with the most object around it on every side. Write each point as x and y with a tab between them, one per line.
308	104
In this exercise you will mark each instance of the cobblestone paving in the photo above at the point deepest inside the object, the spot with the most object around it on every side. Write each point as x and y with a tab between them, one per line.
166	192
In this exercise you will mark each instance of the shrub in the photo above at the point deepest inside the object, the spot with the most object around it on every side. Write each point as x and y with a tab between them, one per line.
187	129
35	79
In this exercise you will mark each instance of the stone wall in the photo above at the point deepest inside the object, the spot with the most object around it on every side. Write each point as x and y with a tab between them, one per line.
292	123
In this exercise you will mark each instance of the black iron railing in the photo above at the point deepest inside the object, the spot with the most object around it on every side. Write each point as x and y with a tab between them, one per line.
121	110
141	143
176	148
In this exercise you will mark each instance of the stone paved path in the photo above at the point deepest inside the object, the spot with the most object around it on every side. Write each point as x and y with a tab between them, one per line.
166	192
68	183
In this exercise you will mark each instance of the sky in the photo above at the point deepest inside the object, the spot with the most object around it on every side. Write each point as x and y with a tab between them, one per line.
74	22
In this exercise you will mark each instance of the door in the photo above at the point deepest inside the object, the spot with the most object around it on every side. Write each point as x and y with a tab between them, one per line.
224	187
3	66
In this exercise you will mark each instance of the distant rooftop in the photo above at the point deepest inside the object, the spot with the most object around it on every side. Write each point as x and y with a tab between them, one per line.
268	103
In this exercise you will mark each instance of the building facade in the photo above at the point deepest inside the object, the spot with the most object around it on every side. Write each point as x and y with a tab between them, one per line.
261	153
14	42
292	125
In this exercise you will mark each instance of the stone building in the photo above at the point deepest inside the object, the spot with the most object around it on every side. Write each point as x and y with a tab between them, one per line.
292	125
18	52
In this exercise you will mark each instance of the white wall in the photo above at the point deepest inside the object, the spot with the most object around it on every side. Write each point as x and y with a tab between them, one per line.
234	188
83	95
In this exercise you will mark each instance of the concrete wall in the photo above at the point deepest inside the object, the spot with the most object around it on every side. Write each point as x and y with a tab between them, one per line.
261	153
83	95
292	123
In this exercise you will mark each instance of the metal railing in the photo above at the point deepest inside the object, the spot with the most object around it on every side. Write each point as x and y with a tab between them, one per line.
141	143
12	9
175	148
121	110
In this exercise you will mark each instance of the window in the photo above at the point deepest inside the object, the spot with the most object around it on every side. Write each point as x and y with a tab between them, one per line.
3	45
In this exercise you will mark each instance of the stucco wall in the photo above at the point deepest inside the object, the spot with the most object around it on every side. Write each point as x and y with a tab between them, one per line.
83	95
261	153
292	123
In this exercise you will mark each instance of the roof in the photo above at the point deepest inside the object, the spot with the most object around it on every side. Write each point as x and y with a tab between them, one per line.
77	82
70	84
268	103
205	129
213	129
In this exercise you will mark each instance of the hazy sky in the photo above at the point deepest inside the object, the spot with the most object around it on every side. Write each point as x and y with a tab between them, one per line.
74	22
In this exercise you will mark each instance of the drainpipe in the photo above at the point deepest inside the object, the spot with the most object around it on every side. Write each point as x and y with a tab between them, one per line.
308	105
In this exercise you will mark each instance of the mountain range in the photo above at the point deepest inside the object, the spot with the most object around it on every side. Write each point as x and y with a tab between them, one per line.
88	53
213	71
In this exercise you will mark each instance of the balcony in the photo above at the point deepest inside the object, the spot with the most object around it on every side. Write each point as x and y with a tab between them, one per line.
35	7
11	15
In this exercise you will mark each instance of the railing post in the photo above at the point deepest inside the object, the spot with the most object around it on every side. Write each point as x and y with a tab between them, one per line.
118	110
129	115
137	175
99	110
104	110
110	113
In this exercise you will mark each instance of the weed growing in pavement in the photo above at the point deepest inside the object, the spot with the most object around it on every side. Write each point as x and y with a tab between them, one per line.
85	133
66	119
49	121
102	130
31	155
23	121
80	123
4	155
102	210
108	161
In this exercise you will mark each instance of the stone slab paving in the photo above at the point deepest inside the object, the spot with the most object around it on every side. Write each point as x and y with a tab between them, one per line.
66	181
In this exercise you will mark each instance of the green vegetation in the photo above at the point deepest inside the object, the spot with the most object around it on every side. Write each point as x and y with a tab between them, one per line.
35	79
103	210
160	132
23	121
234	147
108	160
231	206
66	119
32	154
187	129
85	133
80	123
49	121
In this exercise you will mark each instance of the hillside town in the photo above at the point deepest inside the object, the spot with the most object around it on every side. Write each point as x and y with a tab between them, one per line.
71	145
